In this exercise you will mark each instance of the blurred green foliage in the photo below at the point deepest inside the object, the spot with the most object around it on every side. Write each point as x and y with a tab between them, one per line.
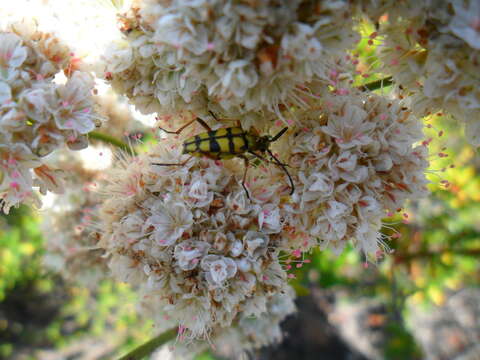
15	252
39	310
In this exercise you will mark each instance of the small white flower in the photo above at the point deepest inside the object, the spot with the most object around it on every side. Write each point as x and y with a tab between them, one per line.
5	95
465	22
199	192
34	104
169	222
349	128
244	264
71	104
368	236
269	219
218	269
239	202
12	53
189	253
49	179
131	226
256	244
237	248
336	209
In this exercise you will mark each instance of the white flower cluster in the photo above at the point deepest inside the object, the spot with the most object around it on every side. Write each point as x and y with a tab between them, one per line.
255	332
205	257
236	55
202	254
70	219
355	160
432	48
68	225
37	115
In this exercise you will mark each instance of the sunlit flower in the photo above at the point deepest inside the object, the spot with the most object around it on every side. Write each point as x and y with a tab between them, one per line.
37	114
241	56
168	221
189	238
355	161
432	49
218	269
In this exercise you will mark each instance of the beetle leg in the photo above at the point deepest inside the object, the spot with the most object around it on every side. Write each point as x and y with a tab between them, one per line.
213	115
259	156
177	164
266	160
245	175
204	124
177	132
282	165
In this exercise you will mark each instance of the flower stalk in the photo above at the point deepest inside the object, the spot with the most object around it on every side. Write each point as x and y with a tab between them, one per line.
112	141
150	346
378	84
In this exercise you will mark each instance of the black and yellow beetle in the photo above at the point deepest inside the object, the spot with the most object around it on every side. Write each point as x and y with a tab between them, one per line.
227	143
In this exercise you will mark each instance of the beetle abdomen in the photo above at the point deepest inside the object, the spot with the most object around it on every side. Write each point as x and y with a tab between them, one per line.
223	143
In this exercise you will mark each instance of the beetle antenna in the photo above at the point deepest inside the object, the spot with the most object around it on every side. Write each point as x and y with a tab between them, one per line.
292	186
279	134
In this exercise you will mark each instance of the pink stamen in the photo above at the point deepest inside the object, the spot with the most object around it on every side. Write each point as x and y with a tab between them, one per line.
297	253
15	185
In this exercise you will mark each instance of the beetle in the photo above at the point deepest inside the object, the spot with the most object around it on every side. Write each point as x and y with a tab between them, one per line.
227	143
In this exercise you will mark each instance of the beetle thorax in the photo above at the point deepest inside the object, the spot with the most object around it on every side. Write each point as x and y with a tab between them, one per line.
262	143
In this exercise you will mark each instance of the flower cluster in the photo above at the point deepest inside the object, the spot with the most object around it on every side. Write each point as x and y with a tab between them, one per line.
201	252
205	256
253	333
237	55
433	50
69	224
355	162
37	114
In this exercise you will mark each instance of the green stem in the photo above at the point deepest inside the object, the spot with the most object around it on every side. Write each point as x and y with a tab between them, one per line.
150	346
111	140
378	84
